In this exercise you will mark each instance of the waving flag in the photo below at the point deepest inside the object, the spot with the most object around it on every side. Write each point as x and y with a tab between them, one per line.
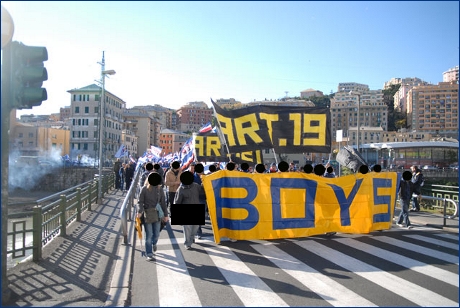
206	128
187	153
122	152
156	150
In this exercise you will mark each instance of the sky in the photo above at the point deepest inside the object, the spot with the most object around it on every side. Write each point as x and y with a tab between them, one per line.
175	52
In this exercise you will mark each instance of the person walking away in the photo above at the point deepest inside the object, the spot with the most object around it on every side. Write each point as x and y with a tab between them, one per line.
129	174
116	169
151	194
122	174
417	179
406	189
172	181
158	169
188	193
199	172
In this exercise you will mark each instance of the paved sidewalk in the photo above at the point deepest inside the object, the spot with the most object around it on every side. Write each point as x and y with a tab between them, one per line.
428	219
87	267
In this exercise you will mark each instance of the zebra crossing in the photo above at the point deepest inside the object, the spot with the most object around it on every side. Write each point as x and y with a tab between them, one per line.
390	268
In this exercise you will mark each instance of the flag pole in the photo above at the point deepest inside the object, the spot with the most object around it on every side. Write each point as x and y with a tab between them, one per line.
219	133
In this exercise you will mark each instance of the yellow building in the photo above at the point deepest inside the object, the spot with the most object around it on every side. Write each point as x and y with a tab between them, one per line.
37	139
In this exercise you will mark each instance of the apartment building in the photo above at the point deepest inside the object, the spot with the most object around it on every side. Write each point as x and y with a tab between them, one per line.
85	118
142	125
171	141
373	114
129	140
192	116
450	75
434	109
229	103
400	97
287	102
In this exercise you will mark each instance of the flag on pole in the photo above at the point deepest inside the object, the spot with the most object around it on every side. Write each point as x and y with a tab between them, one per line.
206	128
122	152
187	154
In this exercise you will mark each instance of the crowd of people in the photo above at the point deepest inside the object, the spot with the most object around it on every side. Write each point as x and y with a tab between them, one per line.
159	189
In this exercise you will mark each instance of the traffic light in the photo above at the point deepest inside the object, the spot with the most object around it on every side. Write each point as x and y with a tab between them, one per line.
27	75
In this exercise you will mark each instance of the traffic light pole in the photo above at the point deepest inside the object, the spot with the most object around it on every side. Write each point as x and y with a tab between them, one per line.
6	110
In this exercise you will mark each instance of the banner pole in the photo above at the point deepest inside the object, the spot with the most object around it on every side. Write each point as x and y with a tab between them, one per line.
219	133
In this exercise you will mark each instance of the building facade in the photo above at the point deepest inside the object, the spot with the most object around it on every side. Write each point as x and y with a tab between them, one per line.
434	109
85	117
450	75
400	97
373	114
142	125
171	141
192	116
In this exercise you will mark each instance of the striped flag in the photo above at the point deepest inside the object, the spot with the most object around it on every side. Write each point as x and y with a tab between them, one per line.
187	153
206	128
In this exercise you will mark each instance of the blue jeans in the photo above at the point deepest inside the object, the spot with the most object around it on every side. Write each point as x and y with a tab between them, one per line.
415	204
404	214
152	233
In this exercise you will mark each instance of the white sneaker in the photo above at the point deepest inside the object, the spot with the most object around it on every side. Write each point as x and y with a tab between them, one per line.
400	225
150	257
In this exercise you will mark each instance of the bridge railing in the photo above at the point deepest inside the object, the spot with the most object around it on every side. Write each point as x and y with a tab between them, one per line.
434	196
128	203
50	217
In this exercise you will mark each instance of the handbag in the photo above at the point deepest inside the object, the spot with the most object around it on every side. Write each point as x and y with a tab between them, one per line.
150	215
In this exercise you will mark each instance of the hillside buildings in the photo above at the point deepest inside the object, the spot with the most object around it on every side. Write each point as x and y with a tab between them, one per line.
431	111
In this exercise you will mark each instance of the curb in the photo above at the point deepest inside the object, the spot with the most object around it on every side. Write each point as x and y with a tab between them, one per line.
121	279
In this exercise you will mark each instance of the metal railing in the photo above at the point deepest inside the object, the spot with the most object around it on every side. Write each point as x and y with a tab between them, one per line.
128	203
50	217
444	207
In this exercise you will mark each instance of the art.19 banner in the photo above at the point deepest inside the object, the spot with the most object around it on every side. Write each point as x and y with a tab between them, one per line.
288	205
285	129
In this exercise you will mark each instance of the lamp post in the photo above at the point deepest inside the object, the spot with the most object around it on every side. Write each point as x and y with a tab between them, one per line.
357	120
101	124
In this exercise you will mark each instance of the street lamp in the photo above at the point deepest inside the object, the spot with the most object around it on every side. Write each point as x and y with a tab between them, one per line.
357	120
101	125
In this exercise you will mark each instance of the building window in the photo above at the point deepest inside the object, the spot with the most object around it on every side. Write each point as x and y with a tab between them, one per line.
86	109
31	135
77	109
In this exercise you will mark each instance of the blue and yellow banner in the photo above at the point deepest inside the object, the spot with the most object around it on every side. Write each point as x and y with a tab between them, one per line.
250	206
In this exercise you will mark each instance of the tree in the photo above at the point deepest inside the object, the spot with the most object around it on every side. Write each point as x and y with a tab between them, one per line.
394	117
